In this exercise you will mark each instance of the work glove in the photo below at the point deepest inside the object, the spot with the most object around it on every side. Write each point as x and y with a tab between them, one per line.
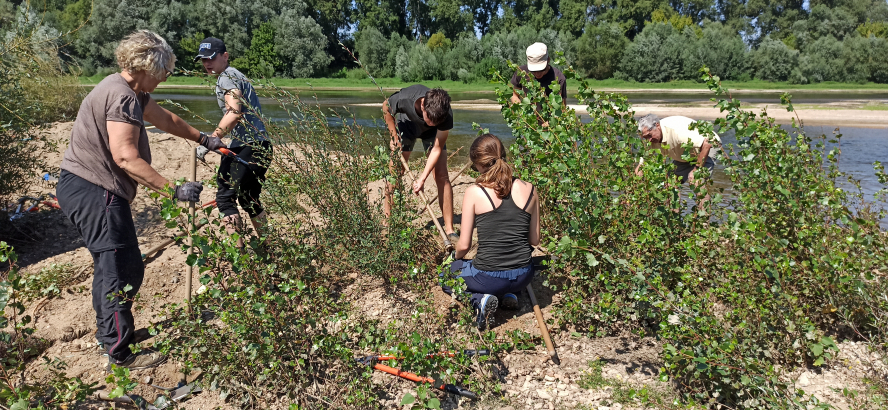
189	191
201	152
210	142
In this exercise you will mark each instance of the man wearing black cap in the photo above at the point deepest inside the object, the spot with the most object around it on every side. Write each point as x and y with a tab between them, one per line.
241	113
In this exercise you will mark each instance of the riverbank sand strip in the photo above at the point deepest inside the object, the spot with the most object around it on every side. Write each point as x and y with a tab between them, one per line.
838	116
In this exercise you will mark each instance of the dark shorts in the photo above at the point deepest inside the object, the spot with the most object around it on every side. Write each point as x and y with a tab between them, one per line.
683	169
410	133
241	184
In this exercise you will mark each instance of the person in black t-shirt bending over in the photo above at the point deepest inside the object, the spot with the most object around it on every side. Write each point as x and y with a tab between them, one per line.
417	112
538	68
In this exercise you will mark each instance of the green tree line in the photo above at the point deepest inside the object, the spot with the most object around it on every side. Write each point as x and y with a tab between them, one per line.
414	40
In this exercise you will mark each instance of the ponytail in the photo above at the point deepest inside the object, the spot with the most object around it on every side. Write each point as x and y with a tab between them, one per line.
488	152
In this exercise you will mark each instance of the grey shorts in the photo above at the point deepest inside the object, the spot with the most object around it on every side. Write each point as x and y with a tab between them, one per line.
683	169
410	133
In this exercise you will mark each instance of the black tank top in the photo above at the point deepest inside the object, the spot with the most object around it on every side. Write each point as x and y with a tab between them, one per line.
503	236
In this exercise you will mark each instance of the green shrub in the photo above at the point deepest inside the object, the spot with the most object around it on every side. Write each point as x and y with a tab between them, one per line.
774	61
35	89
278	322
739	289
19	346
600	49
371	48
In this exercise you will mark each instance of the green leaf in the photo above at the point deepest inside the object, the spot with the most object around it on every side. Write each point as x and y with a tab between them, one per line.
817	349
408	399
433	402
22	404
590	259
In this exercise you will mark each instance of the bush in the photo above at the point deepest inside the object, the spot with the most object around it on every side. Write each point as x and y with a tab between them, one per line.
719	48
278	323
655	55
600	49
820	61
862	59
19	345
35	88
774	61
422	65
740	290
489	66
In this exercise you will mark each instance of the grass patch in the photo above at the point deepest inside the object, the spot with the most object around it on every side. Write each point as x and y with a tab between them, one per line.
627	393
458	86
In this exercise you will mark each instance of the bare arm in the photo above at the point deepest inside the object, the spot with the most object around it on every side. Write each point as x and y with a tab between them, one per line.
234	112
704	152
168	122
123	141
534	236
390	124
468	223
434	155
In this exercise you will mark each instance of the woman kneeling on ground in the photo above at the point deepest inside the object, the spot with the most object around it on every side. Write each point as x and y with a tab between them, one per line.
507	213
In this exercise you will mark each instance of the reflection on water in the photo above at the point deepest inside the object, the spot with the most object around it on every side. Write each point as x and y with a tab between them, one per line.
860	146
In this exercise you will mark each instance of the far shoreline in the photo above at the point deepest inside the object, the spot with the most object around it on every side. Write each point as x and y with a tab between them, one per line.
391	85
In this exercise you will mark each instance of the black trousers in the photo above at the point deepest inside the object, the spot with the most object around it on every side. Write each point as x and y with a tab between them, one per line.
105	222
242	184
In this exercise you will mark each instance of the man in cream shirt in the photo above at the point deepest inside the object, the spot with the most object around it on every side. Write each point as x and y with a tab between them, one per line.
674	133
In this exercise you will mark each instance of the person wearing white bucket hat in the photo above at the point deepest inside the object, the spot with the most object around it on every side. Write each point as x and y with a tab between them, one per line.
539	69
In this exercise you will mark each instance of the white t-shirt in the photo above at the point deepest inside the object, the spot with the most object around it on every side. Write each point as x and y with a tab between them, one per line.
676	133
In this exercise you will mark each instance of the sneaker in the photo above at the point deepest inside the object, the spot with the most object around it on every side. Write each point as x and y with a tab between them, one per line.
139	336
510	301
488	306
145	359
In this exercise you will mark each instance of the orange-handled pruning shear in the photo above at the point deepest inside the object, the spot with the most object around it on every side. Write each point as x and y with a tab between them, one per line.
449	388
227	152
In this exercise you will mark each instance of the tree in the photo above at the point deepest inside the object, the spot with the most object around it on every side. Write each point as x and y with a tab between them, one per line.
574	16
300	43
370	45
261	60
186	49
599	50
386	16
450	18
484	11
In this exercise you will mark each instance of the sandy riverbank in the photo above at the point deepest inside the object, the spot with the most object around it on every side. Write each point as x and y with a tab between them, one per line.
838	114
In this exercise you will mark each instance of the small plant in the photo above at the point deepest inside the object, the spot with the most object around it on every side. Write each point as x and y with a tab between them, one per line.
18	345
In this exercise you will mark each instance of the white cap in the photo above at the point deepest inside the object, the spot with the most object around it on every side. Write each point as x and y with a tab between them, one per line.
537	57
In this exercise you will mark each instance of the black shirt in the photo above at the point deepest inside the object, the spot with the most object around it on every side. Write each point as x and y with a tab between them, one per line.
403	102
554	74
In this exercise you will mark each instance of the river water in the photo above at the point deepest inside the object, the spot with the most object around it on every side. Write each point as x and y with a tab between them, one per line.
860	146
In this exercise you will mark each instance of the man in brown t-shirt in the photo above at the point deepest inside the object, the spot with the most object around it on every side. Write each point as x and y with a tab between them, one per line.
107	157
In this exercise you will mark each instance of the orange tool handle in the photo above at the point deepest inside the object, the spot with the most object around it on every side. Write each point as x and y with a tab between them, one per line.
402	374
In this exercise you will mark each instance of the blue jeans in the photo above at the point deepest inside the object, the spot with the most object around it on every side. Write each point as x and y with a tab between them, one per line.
497	283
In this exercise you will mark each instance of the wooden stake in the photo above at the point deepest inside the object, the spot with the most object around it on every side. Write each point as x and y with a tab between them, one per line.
447	245
544	331
191	207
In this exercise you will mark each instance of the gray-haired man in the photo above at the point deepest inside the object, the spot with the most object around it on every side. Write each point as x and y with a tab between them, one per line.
673	131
